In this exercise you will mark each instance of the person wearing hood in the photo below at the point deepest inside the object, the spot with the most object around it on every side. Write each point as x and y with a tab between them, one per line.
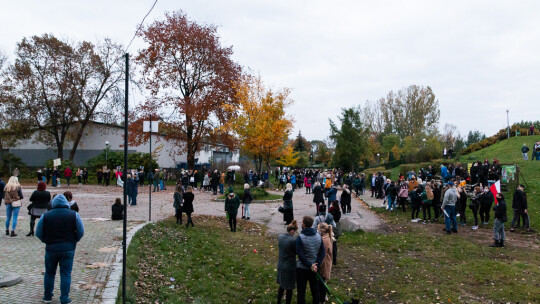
232	203
345	200
60	229
311	253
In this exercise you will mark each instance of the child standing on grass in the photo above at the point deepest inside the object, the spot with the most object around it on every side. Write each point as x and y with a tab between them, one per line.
232	203
416	200
427	201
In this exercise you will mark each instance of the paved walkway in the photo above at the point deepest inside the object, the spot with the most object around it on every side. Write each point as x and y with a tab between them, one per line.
91	267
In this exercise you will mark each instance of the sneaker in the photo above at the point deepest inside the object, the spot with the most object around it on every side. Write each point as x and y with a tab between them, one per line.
414	221
68	302
45	300
424	223
474	227
457	215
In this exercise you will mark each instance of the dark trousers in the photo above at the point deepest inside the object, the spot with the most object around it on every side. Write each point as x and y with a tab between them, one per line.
232	222
520	214
33	223
67	179
484	212
322	289
403	202
178	216
288	296
190	221
436	211
415	211
334	253
462	210
475	214
303	276
372	191
428	209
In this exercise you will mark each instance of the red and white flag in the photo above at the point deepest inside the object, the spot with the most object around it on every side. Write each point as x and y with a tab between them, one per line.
495	188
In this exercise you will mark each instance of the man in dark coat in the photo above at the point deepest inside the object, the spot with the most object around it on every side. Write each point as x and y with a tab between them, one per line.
519	205
60	229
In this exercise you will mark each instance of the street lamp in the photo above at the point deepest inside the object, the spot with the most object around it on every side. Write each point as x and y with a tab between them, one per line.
508	123
378	158
107	144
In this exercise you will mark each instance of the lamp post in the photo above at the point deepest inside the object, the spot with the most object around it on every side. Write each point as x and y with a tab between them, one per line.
107	144
378	158
508	123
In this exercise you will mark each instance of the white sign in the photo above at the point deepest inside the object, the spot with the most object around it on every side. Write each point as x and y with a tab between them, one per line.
57	162
146	126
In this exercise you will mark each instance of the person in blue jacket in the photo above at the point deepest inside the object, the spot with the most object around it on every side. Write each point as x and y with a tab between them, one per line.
60	229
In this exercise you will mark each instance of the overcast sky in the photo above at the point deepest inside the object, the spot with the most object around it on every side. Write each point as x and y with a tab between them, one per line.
479	57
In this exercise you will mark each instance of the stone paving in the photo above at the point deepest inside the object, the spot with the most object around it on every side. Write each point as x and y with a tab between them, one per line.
91	267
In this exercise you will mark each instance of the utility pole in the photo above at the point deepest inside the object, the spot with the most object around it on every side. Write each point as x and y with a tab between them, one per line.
124	246
150	172
508	123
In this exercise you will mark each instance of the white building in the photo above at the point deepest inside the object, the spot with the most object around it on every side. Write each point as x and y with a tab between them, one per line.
36	154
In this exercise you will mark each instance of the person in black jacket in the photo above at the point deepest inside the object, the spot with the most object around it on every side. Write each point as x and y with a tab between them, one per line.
346	199
117	210
39	202
2	186
318	197
188	205
392	192
500	219
288	214
178	201
416	201
485	205
519	205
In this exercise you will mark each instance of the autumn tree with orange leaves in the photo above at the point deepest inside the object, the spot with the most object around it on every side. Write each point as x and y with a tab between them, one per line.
261	124
190	77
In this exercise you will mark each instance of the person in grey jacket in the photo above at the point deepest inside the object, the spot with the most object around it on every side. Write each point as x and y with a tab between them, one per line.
449	207
323	217
286	269
310	251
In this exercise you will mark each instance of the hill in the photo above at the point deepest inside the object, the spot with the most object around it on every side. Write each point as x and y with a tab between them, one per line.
509	152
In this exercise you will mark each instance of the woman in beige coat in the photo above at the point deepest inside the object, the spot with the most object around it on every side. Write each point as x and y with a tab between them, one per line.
12	198
327	236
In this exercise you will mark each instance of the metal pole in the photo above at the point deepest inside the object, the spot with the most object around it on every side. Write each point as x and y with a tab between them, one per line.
124	247
508	123
150	165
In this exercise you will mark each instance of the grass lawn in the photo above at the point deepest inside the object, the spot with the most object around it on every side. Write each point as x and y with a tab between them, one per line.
257	193
406	263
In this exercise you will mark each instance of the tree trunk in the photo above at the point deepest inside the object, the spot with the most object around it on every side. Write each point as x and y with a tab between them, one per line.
77	140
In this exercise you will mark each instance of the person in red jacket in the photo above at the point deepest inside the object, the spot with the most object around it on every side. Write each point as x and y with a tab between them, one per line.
67	174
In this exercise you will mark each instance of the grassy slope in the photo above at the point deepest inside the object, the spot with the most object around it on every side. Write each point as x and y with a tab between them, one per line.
509	152
411	263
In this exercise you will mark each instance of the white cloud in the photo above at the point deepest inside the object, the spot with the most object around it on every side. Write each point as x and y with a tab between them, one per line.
479	57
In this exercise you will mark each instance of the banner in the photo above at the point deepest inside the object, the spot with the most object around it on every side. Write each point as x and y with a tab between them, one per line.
57	162
508	173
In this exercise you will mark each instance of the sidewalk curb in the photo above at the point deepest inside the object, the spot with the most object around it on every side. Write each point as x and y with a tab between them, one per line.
110	292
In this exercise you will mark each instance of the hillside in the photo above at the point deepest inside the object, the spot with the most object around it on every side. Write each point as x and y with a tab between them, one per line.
509	152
